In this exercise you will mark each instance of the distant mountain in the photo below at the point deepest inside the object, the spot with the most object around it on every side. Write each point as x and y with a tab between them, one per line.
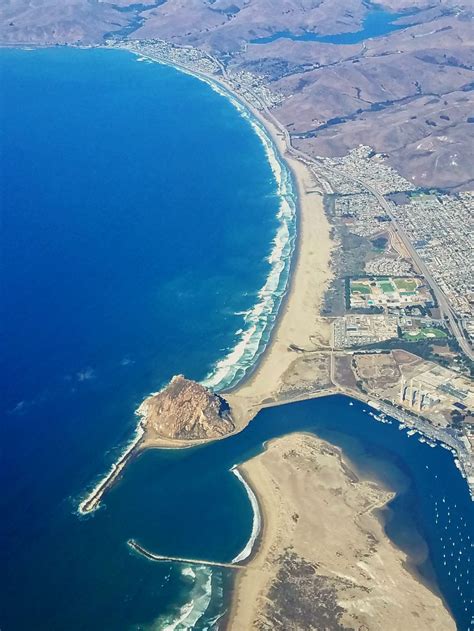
403	85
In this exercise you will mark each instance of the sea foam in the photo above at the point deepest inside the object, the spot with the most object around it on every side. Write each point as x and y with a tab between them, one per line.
256	523
259	320
195	608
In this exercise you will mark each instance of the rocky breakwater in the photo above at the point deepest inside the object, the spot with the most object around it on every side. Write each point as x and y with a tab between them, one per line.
182	414
184	411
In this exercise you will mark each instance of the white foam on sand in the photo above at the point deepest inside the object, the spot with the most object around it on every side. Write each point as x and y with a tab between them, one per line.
256	523
259	320
195	608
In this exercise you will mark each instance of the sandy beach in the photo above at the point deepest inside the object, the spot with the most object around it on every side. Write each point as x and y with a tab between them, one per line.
299	323
321	535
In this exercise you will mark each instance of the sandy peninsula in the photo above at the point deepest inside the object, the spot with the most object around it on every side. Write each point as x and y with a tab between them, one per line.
324	561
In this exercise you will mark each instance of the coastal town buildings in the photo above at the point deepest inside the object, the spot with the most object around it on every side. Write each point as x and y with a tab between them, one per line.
393	292
441	228
361	212
438	227
250	86
362	163
389	266
359	330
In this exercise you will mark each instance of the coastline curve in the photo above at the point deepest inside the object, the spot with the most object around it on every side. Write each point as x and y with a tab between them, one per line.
256	522
261	318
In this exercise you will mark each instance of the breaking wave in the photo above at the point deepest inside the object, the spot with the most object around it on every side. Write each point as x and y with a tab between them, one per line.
257	521
199	611
255	333
252	338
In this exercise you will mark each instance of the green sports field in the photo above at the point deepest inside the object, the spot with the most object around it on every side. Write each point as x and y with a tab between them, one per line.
425	334
360	288
386	286
405	284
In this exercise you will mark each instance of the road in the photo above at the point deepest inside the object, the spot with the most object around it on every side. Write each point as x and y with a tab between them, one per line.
438	293
319	171
323	173
443	303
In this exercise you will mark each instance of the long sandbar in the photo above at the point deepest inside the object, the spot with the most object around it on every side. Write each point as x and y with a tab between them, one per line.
324	560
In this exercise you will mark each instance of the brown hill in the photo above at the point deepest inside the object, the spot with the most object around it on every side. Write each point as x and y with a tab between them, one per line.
186	410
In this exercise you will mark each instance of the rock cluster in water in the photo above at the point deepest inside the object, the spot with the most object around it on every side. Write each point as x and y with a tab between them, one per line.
186	410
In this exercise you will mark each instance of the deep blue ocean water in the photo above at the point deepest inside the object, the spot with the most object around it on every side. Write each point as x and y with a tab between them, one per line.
138	212
377	22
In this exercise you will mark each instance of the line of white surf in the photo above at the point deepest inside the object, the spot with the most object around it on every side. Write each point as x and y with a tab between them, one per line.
92	500
256	522
260	319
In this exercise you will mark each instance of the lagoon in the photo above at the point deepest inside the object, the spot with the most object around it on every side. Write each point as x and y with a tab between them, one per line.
376	24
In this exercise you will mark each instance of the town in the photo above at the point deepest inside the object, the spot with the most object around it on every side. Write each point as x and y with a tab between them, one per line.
401	303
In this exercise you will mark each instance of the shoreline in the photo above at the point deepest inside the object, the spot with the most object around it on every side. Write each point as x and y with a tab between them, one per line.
246	396
250	547
253	582
263	128
300	173
266	131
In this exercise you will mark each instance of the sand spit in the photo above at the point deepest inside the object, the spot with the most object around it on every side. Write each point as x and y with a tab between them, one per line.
324	560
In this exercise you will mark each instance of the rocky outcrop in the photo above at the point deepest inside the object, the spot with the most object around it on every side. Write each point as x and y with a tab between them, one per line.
186	410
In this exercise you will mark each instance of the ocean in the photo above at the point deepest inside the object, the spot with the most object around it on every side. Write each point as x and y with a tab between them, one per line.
145	233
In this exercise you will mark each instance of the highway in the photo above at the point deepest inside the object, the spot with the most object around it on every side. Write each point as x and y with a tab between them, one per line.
323	173
438	293
443	303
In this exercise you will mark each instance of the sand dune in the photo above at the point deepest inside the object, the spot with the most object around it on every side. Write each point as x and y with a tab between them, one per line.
324	561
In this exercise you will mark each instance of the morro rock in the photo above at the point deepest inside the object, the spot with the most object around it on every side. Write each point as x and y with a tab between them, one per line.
186	410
